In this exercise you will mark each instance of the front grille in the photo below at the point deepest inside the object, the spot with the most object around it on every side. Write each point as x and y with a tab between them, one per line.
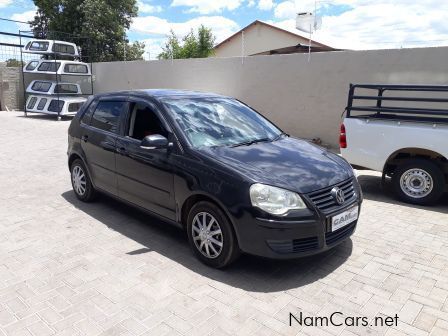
340	234
294	246
325	202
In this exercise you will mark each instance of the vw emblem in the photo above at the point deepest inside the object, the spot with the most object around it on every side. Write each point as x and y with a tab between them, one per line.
338	195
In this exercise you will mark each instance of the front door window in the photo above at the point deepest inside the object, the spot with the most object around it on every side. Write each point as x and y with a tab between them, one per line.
143	121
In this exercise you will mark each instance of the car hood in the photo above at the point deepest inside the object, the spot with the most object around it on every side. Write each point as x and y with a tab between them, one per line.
287	163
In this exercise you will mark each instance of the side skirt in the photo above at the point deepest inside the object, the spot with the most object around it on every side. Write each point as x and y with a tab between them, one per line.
139	208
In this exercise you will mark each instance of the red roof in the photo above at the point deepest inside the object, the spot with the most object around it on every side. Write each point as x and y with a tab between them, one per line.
274	27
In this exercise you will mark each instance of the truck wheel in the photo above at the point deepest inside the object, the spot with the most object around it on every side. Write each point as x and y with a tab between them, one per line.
418	181
211	235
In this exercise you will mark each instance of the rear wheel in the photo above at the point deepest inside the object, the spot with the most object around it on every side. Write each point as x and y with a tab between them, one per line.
418	181
211	235
81	183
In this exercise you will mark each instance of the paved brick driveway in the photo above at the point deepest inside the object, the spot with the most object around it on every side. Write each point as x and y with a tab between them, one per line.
69	268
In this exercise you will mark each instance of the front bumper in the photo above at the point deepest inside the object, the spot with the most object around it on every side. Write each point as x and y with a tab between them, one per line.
292	239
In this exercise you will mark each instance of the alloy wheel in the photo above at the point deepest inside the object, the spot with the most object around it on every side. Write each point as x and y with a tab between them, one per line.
207	235
79	180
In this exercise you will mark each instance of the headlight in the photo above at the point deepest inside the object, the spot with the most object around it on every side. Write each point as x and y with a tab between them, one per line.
274	200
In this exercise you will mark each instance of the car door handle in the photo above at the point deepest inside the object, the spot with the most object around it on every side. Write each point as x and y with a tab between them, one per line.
85	138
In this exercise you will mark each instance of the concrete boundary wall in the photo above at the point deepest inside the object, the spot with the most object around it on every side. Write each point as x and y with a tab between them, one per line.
304	98
11	90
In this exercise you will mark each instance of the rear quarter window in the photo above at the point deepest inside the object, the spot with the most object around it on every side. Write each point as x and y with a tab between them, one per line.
87	114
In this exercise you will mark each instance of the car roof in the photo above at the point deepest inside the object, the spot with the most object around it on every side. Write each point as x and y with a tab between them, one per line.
163	93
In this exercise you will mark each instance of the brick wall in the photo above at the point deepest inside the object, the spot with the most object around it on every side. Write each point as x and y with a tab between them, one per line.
11	92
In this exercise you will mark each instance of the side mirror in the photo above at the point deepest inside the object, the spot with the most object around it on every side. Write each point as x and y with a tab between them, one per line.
155	141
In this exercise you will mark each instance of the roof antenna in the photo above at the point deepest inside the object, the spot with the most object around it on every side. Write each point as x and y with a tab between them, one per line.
309	22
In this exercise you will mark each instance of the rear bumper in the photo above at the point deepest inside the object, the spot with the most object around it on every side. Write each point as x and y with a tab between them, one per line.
291	239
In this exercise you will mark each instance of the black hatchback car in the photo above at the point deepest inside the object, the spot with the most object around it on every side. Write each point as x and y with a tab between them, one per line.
215	167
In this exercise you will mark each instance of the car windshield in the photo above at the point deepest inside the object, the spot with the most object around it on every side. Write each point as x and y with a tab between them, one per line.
209	122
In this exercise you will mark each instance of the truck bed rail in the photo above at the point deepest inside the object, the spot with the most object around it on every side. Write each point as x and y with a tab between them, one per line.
428	102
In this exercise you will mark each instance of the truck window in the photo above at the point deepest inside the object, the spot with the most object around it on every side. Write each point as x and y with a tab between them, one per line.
63	48
41	86
66	88
37	46
76	68
41	104
49	66
32	65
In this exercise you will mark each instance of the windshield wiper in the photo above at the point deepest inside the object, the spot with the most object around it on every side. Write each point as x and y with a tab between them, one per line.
279	136
251	142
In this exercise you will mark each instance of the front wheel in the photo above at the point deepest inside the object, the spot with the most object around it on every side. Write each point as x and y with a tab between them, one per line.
418	181
211	235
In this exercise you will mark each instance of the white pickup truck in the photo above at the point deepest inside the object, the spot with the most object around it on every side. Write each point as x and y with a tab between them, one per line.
403	134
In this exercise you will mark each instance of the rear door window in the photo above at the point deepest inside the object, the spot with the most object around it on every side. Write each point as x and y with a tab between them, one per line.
107	115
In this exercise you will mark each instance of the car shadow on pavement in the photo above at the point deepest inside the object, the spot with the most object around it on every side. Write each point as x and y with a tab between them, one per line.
247	273
373	189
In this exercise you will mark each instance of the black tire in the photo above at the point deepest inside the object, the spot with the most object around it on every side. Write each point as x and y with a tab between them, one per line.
428	171
229	251
89	193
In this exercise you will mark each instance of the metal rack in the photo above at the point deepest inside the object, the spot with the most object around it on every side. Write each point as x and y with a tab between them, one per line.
55	36
403	95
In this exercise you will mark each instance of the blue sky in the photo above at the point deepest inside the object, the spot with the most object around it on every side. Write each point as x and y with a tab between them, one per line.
351	24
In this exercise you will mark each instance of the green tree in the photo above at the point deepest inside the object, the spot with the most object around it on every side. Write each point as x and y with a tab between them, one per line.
40	24
134	51
190	46
193	45
101	24
206	42
172	48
